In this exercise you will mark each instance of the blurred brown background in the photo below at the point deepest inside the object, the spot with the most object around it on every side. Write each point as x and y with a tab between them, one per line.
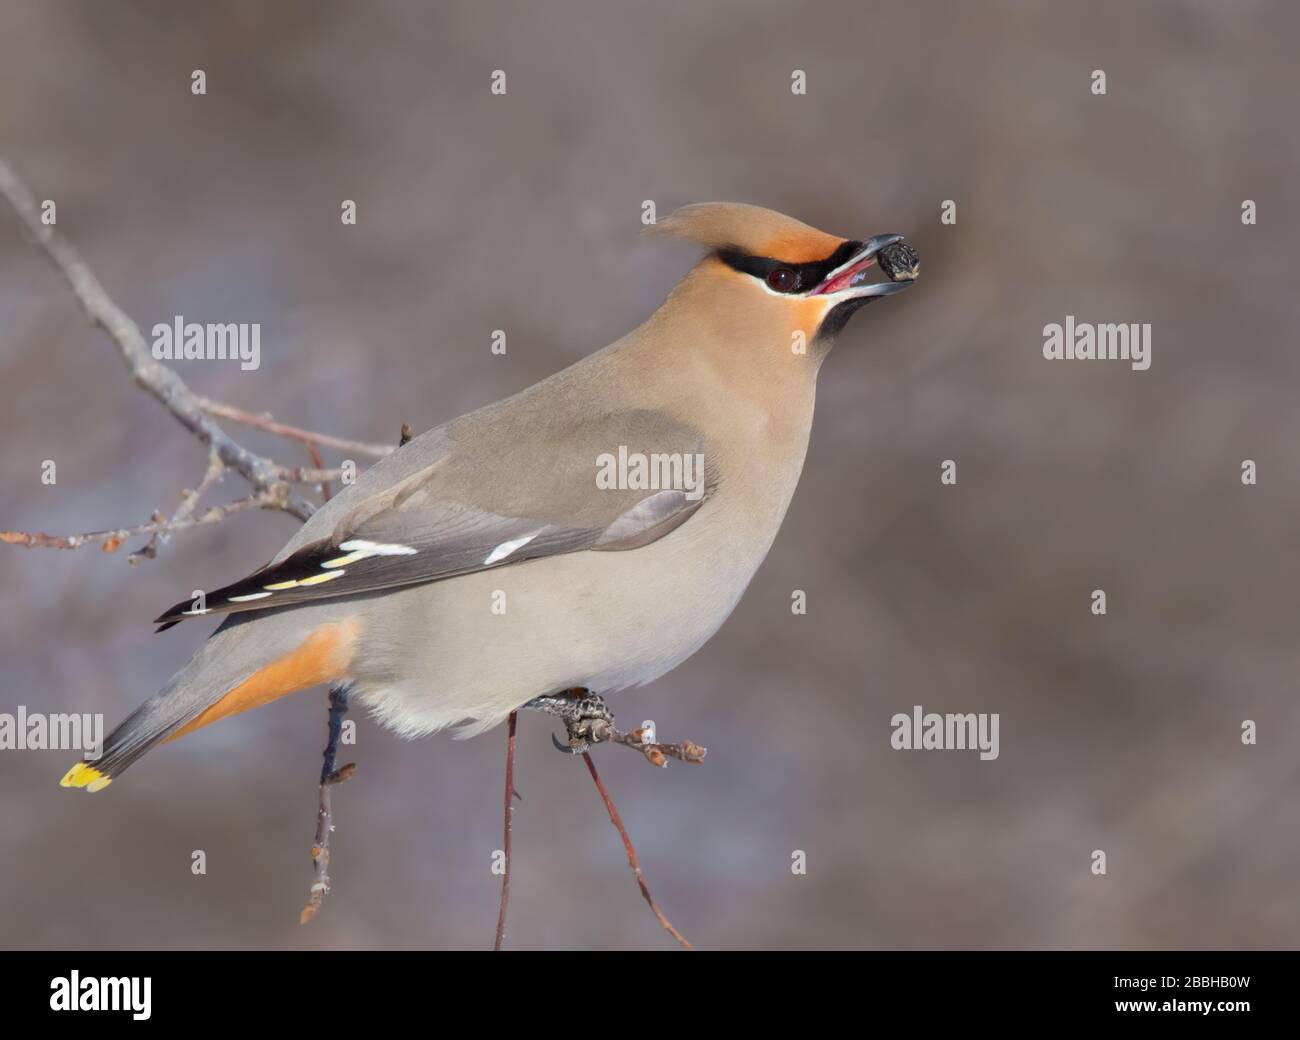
521	212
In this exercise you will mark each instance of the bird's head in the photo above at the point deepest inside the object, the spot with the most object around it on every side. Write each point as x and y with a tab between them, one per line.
771	273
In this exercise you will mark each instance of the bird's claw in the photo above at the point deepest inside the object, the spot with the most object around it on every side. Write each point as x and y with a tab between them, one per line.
579	709
570	749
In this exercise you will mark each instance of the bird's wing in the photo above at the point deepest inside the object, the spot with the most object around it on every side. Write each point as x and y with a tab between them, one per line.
480	494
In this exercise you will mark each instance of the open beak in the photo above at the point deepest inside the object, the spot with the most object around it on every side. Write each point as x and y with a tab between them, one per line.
892	254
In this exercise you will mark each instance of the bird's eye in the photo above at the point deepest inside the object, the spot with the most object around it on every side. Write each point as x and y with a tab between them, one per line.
783	280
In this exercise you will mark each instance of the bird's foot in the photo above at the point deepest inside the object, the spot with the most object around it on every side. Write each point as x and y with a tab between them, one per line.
581	711
588	721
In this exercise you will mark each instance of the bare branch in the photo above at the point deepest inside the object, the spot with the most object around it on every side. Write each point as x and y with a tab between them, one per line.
111	541
265	422
306	475
159	380
511	795
631	853
189	502
319	463
602	732
329	776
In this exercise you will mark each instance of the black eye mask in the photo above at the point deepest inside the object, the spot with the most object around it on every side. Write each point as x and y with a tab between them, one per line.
810	275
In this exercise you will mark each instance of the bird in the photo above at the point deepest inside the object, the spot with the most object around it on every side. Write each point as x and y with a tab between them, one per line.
587	534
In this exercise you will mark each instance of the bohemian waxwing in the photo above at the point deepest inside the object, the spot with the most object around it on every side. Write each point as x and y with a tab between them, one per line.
591	532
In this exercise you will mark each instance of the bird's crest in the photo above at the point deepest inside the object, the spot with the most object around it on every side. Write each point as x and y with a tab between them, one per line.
751	230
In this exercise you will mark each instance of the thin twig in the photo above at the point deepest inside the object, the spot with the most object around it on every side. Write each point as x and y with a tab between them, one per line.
316	461
329	776
631	853
511	794
602	732
189	502
308	474
279	429
111	540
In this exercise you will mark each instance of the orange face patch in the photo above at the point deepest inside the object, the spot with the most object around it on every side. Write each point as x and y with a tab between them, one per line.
324	656
809	312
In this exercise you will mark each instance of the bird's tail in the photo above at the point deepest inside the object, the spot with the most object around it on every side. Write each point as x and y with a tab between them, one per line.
242	666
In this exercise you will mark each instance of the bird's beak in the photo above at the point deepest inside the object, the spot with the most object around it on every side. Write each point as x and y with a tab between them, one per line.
900	263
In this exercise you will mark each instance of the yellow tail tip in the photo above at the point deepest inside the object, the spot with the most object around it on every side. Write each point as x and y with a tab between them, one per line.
83	775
